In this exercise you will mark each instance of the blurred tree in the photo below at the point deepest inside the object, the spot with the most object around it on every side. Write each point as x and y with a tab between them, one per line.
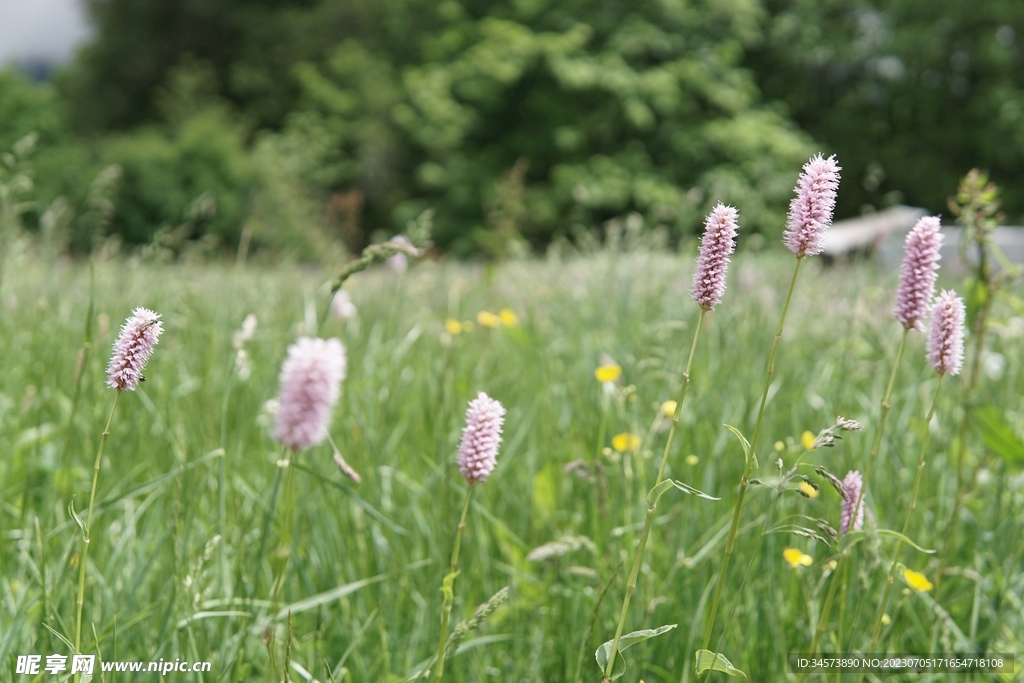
910	93
615	107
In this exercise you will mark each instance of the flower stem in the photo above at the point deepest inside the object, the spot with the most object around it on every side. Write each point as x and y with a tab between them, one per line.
448	588
284	548
652	506
744	481
876	446
87	537
906	523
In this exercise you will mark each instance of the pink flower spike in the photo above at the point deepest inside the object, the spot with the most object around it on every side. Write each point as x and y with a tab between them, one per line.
481	438
946	342
715	247
132	349
853	484
310	386
810	212
918	273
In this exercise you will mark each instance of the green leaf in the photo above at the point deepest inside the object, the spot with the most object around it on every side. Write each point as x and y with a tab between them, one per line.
975	294
686	488
998	436
751	458
659	490
625	641
855	537
78	520
708	660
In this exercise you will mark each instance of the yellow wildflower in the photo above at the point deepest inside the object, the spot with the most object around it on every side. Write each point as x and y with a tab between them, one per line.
608	373
453	326
807	489
692	460
488	319
916	580
668	408
797	558
807	440
779	446
832	565
508	317
625	442
886	619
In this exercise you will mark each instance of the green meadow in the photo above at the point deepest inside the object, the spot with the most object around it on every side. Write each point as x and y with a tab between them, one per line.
187	535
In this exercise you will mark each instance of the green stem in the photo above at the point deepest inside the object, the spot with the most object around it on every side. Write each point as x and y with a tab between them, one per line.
876	446
906	523
652	506
284	548
87	537
449	590
744	481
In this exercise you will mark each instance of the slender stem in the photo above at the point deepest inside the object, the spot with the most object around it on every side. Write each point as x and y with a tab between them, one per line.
87	537
744	481
906	523
652	506
876	446
284	548
449	589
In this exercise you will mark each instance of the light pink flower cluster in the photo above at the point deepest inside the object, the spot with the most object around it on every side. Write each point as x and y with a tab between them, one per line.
810	212
481	438
918	273
715	247
946	342
132	349
310	385
853	484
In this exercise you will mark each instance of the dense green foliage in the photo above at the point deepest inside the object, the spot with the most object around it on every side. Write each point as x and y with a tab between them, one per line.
518	122
175	555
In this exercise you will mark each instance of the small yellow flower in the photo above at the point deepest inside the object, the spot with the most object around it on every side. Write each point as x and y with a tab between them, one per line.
807	489
668	408
832	565
916	580
453	326
607	373
779	446
692	460
797	558
807	440
508	317
488	319
625	442
886	619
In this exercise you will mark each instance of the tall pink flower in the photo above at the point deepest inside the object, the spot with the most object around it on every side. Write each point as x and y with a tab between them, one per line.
946	342
853	484
310	385
132	349
715	247
481	438
918	273
810	212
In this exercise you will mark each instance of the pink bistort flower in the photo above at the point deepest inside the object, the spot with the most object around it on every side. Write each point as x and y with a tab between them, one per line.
918	273
132	349
715	247
310	385
946	342
810	212
853	484
481	438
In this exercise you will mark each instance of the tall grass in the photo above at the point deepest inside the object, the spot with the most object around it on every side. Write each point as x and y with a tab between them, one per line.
191	474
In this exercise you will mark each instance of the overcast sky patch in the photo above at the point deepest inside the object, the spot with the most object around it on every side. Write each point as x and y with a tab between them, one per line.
41	30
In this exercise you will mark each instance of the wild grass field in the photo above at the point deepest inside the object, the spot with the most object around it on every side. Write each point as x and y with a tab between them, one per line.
187	532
